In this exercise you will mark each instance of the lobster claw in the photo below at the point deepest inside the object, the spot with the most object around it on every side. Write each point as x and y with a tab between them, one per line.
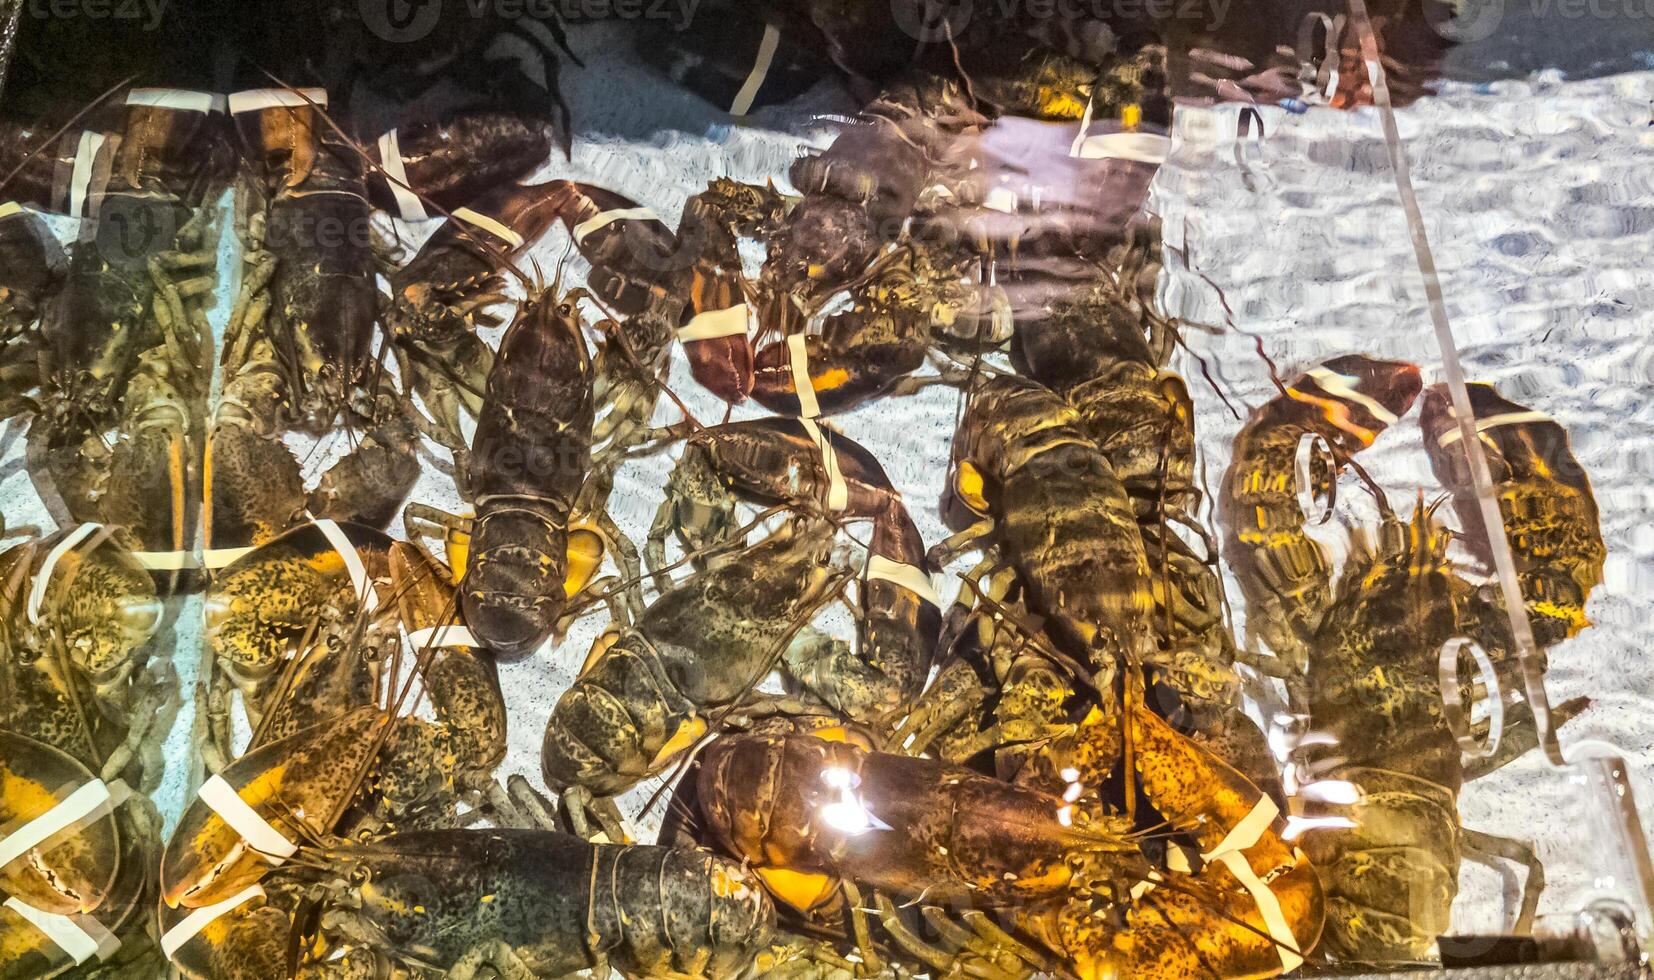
1250	906
250	817
62	872
244	931
455	160
723	366
714	335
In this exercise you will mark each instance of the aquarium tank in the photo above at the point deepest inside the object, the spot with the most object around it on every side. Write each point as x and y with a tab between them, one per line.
837	489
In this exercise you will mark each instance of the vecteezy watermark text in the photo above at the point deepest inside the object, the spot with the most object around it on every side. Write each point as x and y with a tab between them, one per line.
1210	12
936	21
413	20
148	11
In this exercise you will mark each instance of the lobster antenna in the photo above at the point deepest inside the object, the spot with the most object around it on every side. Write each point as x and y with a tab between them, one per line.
964	76
1187	255
1379	496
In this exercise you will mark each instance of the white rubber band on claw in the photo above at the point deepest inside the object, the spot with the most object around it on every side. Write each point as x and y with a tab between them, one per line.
909	577
84	802
173	98
712	324
1177	859
1274	920
1231	853
408	204
451	637
80	174
604	219
1454	434
191	925
838	492
760	70
254	100
1085	127
1146	885
1250	829
359	579
43	578
1454	711
165	561
81	940
490	225
259	833
222	557
798	359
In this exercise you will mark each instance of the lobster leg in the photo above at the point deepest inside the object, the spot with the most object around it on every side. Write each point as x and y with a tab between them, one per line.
915	383
585	809
945	551
1520	735
530	802
151	710
954	695
1487	849
441	399
593	500
699	507
609	590
490	959
963	960
252	300
979	937
998	938
210	723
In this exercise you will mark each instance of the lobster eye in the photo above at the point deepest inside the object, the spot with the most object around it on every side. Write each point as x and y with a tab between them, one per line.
565	310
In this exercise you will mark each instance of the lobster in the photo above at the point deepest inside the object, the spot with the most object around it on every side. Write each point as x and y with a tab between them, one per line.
648	691
811	812
1390	859
791	462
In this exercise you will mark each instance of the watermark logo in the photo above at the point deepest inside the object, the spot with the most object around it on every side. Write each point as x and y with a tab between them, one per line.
933	21
942	21
400	21
130	230
1465	21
